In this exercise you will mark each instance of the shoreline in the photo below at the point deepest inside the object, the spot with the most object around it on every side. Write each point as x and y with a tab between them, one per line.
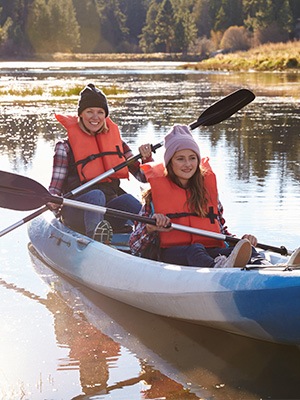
279	57
108	57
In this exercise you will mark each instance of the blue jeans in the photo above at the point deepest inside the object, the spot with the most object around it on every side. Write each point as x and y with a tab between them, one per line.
125	202
85	221
197	255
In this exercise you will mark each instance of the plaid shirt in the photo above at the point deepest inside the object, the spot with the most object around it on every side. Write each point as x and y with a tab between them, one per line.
61	163
140	239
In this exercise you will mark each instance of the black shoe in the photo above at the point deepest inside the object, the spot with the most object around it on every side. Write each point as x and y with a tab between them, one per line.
103	232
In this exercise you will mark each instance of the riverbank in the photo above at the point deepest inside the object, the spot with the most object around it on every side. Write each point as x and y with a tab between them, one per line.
119	57
268	57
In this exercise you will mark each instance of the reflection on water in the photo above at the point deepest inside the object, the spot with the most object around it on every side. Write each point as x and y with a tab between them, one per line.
95	329
86	345
258	147
79	326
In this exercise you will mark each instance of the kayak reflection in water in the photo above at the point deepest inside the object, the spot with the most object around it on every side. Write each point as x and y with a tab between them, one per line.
91	351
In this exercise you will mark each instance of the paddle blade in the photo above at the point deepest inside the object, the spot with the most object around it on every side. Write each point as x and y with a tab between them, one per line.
224	108
18	192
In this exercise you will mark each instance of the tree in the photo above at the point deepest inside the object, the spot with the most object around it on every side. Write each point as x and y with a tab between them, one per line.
229	14
203	20
4	31
52	26
185	26
185	31
147	38
89	22
234	12
270	20
89	26
38	24
135	11
17	40
221	20
165	26
114	32
295	8
260	13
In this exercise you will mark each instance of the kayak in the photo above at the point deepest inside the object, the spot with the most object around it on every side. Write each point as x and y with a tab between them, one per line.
260	302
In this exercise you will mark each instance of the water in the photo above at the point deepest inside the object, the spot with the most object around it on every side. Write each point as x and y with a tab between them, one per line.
60	340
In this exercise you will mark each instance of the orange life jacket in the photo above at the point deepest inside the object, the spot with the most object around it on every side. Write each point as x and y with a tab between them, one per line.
171	200
95	155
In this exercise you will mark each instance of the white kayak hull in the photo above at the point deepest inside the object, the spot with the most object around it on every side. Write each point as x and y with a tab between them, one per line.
259	303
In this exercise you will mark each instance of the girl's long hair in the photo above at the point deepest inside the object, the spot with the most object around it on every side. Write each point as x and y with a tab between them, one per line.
197	194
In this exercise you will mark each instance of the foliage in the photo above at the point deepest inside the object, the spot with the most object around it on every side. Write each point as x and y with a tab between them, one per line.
165	26
135	12
273	56
261	14
72	91
34	27
235	38
112	26
147	37
4	31
52	26
89	22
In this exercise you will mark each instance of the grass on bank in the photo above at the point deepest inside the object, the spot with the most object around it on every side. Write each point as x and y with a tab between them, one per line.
54	92
267	57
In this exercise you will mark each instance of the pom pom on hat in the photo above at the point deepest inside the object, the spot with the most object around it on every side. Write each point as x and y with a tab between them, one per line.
179	138
91	96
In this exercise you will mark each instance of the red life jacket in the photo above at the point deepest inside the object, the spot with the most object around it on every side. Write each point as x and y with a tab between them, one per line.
168	199
95	155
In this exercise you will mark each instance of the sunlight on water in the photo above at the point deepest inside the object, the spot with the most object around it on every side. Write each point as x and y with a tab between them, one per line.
59	340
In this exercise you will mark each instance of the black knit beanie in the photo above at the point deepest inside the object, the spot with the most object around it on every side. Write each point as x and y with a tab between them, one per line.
91	96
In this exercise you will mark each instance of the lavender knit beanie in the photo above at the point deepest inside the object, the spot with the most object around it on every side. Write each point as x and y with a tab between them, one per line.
179	138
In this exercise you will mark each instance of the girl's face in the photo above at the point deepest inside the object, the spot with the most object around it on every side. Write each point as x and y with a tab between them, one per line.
93	118
184	164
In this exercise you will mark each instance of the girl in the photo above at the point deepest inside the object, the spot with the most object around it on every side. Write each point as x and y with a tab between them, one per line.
185	192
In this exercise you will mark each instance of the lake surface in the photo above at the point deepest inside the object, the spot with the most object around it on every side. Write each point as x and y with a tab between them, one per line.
60	340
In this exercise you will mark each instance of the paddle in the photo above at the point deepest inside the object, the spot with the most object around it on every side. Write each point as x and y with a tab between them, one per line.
18	192
216	113
224	108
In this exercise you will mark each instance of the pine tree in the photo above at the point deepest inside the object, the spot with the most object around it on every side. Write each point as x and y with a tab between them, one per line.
89	22
17	11
38	25
147	38
135	11
203	20
270	20
52	26
114	32
165	26
185	31
4	31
